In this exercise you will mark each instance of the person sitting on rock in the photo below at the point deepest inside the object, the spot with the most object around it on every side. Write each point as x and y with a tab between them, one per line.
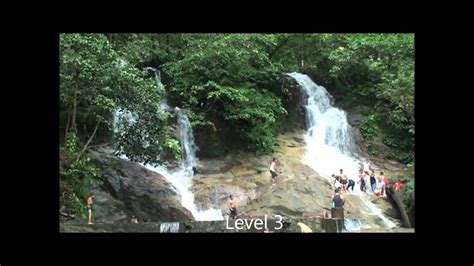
232	207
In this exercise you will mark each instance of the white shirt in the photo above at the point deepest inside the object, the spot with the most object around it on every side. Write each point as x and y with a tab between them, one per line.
272	167
366	166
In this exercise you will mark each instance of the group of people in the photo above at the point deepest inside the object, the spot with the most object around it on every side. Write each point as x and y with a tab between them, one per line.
367	181
341	181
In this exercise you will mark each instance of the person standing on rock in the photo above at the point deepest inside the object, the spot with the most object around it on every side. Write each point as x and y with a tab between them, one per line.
90	201
337	199
343	180
373	182
367	181
232	207
380	188
362	182
386	184
273	170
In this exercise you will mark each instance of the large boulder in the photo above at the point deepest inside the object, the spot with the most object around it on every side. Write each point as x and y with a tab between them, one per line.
109	209
144	193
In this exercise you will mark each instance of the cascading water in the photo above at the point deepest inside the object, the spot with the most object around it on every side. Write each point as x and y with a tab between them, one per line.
328	136
328	139
157	74
351	225
181	177
188	146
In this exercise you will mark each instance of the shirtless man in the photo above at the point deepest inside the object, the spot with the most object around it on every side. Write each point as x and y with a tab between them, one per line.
343	180
232	207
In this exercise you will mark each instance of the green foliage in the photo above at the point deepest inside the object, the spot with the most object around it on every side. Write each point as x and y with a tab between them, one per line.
174	147
370	128
409	196
72	143
215	147
148	49
95	81
231	78
411	168
374	151
404	157
390	140
80	174
372	70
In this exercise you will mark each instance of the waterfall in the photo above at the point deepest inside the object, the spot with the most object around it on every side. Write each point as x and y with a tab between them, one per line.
328	137
329	142
157	73
169	227
354	225
182	176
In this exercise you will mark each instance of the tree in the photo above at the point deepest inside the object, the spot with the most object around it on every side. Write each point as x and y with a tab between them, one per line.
230	78
95	82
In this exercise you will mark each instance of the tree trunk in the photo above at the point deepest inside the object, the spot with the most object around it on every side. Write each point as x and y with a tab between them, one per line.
88	141
73	122
67	125
405	220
